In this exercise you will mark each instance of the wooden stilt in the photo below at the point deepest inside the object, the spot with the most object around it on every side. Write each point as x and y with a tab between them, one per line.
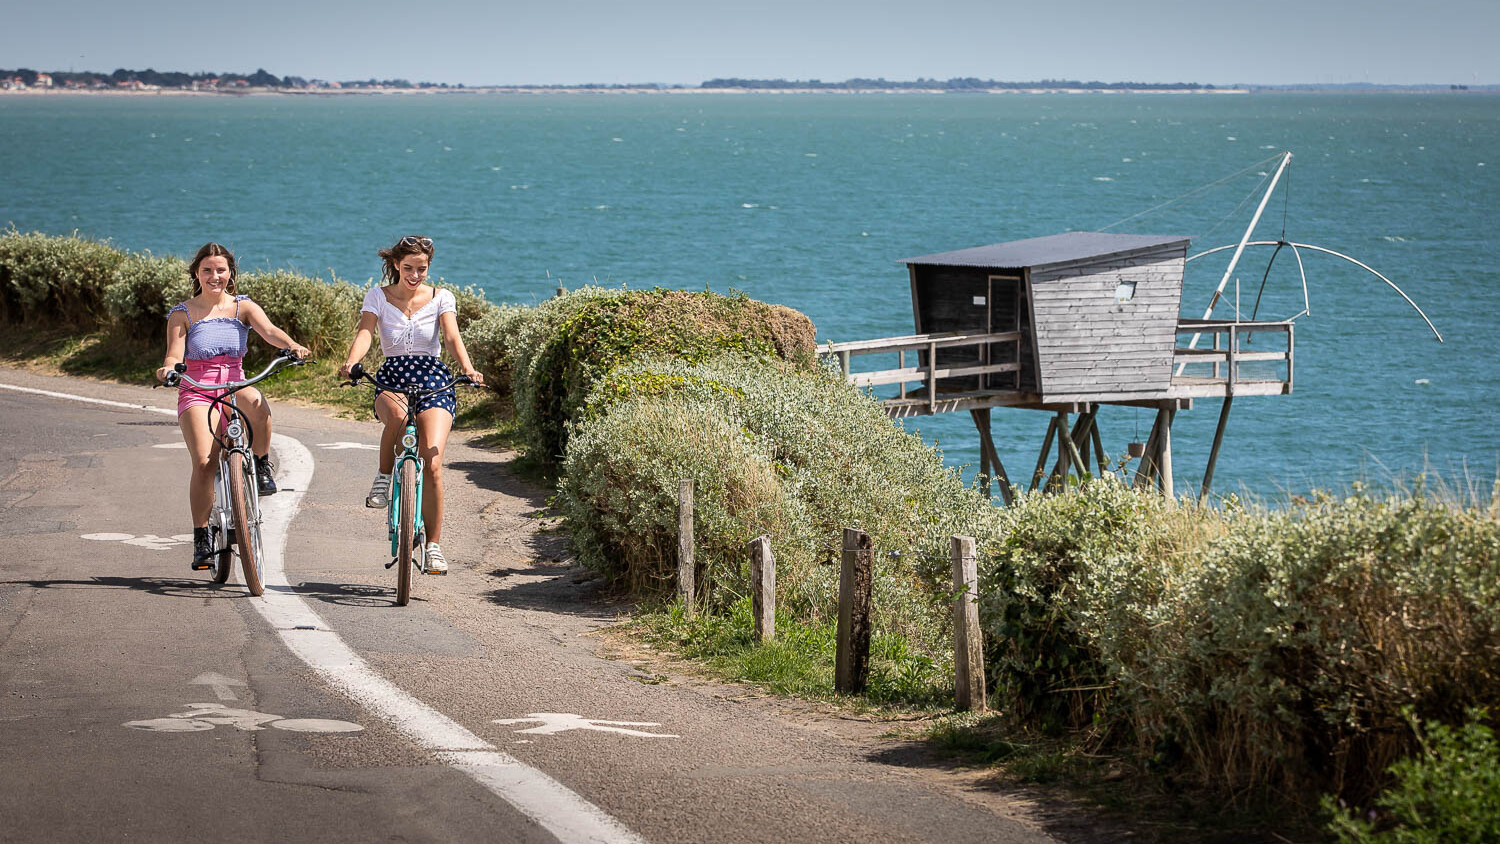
981	418
1041	461
1081	438
1058	479
1100	455
1145	472
1164	442
1213	453
1070	448
989	458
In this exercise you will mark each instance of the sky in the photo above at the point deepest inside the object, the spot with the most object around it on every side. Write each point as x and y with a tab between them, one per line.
473	42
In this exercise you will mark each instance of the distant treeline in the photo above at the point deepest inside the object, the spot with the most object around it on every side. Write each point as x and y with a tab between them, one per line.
123	77
966	83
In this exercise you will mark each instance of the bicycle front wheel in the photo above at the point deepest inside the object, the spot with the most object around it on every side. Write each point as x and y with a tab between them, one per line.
406	531
246	511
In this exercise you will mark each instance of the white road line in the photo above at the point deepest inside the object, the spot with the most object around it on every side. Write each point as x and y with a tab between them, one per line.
537	796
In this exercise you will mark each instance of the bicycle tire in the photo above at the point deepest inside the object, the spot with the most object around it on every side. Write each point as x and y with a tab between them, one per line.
406	531
223	559
246	529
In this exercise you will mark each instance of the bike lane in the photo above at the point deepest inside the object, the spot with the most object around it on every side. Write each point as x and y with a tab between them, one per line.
141	702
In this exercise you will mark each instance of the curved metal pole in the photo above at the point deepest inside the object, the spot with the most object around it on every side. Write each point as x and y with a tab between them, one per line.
1353	261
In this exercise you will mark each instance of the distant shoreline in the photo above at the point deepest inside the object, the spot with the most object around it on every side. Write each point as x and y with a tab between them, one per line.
520	90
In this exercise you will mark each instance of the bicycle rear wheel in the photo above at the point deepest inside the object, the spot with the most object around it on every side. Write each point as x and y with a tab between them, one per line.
406	531
246	520
223	559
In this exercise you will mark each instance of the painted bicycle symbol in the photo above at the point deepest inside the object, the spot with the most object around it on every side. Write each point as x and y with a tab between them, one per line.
206	716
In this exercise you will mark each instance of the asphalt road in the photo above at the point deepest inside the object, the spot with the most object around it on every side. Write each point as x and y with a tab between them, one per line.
143	703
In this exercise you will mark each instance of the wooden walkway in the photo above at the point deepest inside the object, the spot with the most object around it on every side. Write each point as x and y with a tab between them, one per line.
1224	367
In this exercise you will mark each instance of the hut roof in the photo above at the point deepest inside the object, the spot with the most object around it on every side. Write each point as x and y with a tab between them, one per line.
1066	248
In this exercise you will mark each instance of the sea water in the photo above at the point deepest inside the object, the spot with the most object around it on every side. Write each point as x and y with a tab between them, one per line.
812	200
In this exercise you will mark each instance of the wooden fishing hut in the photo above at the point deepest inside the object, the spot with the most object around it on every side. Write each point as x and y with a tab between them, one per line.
1067	324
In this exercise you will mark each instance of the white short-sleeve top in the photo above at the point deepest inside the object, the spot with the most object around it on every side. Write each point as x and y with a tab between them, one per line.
408	335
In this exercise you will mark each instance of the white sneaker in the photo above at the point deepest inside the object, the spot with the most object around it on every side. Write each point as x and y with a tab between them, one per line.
436	562
380	490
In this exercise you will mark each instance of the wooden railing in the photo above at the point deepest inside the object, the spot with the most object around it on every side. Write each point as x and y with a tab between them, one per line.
1227	354
926	377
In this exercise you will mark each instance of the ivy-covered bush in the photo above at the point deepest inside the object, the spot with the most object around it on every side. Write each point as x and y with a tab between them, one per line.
572	340
794	454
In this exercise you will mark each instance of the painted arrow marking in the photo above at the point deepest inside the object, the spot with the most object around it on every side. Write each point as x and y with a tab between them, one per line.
219	683
557	722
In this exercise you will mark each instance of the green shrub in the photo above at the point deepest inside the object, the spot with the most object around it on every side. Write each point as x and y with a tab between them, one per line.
1255	651
488	340
1448	793
1070	594
143	290
320	315
55	280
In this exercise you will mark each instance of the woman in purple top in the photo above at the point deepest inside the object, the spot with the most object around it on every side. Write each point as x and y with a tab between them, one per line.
209	333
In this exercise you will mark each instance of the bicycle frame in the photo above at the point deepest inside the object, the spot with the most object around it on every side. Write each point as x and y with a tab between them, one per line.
407	452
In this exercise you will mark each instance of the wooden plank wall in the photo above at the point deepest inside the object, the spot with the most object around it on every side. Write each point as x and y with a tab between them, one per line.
1087	342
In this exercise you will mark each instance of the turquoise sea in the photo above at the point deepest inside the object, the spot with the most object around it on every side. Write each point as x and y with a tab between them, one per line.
812	200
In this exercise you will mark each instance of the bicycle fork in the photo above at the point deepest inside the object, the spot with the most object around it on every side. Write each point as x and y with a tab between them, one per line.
406	454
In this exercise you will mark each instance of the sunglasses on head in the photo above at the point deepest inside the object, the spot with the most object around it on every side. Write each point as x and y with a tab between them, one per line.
420	242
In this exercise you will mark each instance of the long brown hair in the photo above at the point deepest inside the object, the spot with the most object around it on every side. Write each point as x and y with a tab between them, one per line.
213	250
410	245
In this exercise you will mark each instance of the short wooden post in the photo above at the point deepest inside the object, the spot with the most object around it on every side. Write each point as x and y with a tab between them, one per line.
856	581
968	644
763	588
686	574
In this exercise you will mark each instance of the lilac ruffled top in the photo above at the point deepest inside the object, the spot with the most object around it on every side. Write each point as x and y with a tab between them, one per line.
216	336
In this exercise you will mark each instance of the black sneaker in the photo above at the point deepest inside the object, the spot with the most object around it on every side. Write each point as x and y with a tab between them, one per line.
203	549
265	475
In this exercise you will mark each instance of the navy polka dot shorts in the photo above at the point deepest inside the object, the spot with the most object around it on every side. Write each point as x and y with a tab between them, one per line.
423	371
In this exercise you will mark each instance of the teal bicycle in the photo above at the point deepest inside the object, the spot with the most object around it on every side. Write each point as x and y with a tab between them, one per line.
404	511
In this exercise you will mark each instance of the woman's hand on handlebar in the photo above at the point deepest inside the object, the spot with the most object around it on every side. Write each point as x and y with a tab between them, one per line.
475	377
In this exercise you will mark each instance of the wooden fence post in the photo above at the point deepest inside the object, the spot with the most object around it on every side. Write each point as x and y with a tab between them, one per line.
763	588
968	644
856	582
686	586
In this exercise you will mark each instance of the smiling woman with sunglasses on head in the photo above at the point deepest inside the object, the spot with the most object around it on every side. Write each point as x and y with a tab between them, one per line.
415	320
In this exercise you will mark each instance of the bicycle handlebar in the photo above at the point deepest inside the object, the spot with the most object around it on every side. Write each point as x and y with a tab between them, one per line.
358	373
284	358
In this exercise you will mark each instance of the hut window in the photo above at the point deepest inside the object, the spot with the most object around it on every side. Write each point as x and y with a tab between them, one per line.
1125	291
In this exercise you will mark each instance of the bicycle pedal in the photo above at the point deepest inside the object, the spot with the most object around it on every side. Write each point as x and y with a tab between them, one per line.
391	564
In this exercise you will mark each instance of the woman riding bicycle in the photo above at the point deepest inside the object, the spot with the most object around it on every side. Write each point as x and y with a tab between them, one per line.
412	317
209	334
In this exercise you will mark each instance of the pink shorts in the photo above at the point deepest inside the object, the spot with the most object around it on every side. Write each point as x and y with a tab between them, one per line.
219	370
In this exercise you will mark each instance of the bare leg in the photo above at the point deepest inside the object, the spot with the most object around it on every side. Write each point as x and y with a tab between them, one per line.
433	425
203	452
258	412
391	411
